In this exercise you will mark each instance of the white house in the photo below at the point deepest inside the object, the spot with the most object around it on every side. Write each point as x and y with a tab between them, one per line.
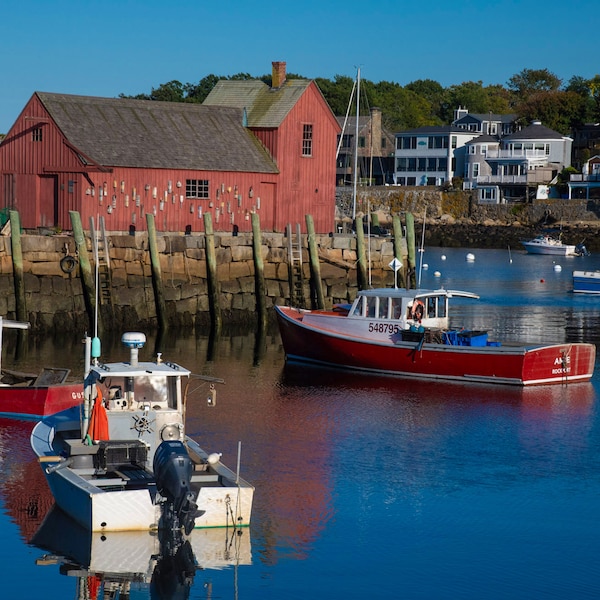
513	166
430	155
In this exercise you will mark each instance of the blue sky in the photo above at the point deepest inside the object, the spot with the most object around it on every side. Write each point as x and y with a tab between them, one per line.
130	46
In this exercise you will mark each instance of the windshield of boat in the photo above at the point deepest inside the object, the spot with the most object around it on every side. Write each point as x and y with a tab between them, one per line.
378	307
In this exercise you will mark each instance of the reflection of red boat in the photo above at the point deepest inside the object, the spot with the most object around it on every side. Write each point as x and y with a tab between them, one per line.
25	395
25	494
406	333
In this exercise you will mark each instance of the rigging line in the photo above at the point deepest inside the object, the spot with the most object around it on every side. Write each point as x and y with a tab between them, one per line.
355	173
345	120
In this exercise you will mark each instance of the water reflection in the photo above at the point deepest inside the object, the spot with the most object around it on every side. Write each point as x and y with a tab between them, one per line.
134	563
26	506
358	474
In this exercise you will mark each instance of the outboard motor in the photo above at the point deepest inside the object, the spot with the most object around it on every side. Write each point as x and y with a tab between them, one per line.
173	472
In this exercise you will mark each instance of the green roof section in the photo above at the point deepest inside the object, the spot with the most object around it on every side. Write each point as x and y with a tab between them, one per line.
265	107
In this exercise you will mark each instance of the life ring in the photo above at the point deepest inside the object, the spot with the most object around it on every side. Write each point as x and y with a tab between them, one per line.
417	311
68	263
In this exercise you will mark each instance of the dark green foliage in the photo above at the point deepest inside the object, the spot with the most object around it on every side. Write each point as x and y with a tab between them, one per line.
531	94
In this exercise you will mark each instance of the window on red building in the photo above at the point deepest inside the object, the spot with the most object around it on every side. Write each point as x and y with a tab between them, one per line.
307	140
196	188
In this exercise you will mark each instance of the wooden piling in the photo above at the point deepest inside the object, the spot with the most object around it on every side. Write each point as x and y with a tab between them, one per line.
361	264
411	279
259	273
397	227
88	283
315	267
157	284
17	264
374	222
211	274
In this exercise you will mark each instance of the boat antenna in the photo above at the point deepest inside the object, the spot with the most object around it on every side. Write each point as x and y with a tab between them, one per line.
422	248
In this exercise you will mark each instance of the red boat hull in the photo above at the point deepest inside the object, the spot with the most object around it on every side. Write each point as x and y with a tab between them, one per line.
39	401
514	365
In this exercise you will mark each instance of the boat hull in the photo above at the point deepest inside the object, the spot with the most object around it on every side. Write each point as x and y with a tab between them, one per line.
555	250
522	366
37	402
586	282
108	505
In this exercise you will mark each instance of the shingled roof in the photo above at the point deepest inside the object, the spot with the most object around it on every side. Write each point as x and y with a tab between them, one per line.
121	132
535	131
264	106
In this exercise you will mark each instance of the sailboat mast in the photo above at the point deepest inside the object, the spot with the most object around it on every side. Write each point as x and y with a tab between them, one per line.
356	144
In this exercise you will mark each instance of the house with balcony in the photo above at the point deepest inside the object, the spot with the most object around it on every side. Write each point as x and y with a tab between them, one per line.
431	155
512	167
587	183
374	149
586	144
435	155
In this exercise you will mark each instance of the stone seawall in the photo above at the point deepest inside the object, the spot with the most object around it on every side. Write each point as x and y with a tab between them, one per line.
55	300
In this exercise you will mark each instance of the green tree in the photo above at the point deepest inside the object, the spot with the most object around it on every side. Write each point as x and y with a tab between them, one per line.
558	110
337	93
532	81
469	94
434	93
198	92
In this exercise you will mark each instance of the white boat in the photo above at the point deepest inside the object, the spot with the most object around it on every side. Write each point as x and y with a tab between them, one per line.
122	461
586	282
546	244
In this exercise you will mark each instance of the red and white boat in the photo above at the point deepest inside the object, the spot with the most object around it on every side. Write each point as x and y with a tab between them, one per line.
29	396
406	333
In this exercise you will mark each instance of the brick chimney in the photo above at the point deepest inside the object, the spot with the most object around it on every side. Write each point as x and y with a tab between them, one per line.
278	74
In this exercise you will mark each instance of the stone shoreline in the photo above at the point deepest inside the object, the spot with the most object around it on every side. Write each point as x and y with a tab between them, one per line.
469	235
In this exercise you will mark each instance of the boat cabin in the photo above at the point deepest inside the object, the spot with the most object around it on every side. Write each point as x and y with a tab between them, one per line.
426	308
144	400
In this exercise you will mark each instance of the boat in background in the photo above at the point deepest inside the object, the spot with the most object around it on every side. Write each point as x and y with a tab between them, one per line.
29	396
158	565
586	282
122	461
406	333
546	244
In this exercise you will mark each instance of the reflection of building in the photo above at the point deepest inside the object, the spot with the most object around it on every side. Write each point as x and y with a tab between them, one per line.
26	505
375	150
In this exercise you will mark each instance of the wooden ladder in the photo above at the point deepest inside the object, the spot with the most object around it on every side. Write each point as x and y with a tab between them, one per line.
100	248
296	272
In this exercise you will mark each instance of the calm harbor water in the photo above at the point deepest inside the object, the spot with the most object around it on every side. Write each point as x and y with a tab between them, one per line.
370	487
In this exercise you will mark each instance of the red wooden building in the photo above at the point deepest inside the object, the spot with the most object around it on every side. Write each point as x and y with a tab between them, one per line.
273	154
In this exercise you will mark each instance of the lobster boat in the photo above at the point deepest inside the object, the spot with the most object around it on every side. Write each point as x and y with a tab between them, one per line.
406	333
122	461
